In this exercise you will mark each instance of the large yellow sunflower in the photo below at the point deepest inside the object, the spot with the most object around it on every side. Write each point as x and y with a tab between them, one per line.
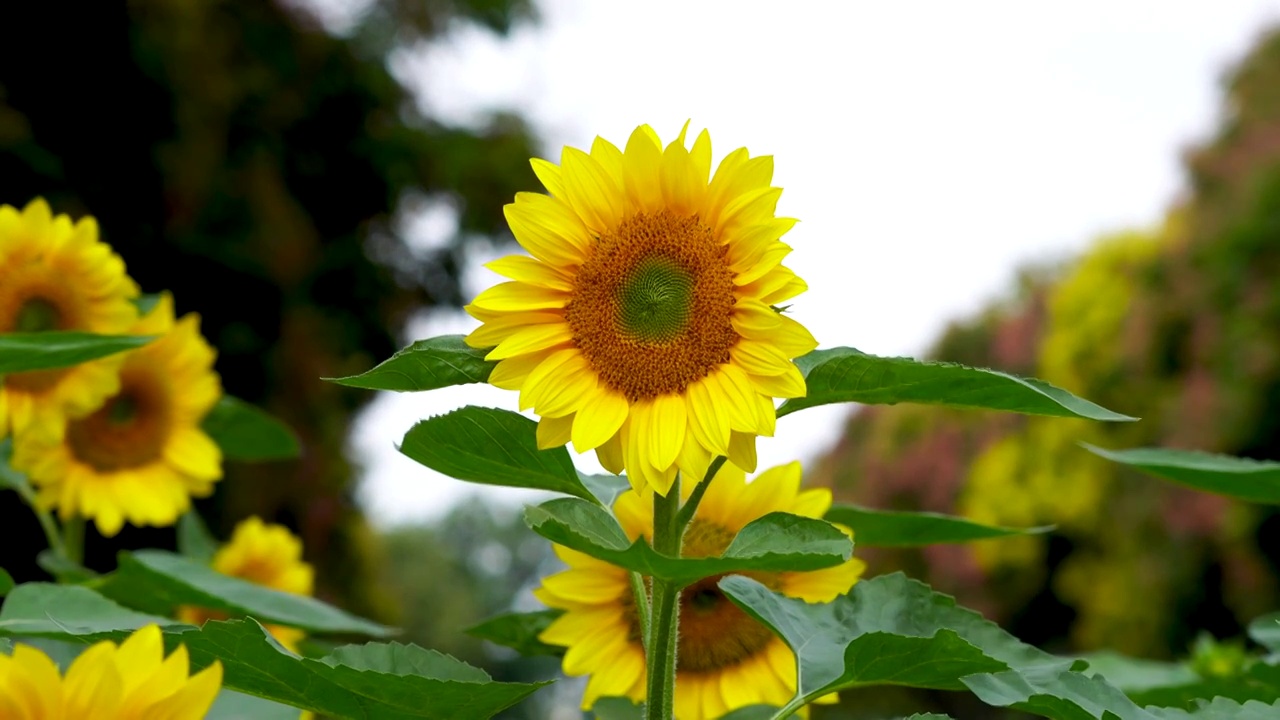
726	659
134	681
645	324
56	275
265	554
142	455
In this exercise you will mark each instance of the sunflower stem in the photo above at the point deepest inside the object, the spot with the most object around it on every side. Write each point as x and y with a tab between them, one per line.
641	594
663	627
46	519
73	539
685	516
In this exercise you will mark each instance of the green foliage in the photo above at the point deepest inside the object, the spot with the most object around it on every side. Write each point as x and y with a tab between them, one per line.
776	542
425	365
1266	631
6	582
248	434
194	539
70	611
519	631
158	581
844	374
492	447
1242	478
62	568
1221	709
888	528
617	708
24	352
893	630
232	705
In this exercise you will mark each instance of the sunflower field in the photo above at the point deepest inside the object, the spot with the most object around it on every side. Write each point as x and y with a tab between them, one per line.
644	318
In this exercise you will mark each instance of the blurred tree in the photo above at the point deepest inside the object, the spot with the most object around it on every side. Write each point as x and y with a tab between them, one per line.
264	169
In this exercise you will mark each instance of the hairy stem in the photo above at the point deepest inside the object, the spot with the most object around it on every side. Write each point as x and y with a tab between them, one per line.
663	627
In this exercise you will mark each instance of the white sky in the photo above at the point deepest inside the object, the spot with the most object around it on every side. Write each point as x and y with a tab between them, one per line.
928	148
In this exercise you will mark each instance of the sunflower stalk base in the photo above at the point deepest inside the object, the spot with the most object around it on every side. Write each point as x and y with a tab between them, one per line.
660	658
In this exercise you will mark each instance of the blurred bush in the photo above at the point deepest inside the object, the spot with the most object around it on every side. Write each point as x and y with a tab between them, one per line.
265	169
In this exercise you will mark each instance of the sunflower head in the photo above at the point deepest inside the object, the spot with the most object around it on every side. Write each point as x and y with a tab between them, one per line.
106	682
643	325
727	659
140	455
267	555
57	275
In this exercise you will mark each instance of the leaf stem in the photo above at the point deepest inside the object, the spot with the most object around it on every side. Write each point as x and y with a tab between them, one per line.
663	627
685	516
46	519
641	594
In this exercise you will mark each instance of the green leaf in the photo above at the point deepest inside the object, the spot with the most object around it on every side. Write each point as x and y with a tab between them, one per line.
889	528
62	568
158	581
605	488
248	434
146	303
752	712
6	582
617	708
928	716
194	539
1149	682
1133	675
1266	631
844	374
48	350
519	631
388	681
425	365
775	542
10	479
69	612
492	447
231	705
892	630
1252	480
1221	709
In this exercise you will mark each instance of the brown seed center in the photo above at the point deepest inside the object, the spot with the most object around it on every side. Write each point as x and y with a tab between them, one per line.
130	430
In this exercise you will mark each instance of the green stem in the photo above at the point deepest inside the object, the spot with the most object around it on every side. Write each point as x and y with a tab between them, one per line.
663	628
685	516
73	539
641	594
46	520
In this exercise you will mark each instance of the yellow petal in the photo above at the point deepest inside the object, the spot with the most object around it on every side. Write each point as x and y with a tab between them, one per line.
592	192
493	332
610	454
554	431
701	157
771	258
758	358
643	163
742	450
532	339
789	384
610	158
570	386
194	453
681	189
520	297
510	374
792	338
535	272
708	419
548	229
823	585
549	175
693	461
752	208
535	386
734	395
588	586
747	247
667	430
599	419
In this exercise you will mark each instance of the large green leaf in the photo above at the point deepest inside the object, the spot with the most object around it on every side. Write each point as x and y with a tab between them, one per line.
194	539
388	681
23	352
889	528
519	631
775	542
844	374
1221	709
1167	684
492	447
249	434
1266	631
892	630
158	581
1252	480
425	365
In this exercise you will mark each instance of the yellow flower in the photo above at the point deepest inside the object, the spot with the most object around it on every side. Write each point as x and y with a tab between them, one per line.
134	681
726	660
644	327
265	554
55	275
142	455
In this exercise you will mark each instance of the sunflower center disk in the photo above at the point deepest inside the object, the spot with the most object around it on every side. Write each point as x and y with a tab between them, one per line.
129	431
37	315
651	305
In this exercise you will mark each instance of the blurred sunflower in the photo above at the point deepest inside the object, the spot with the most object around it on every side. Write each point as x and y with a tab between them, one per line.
130	682
265	554
56	275
644	324
140	456
727	659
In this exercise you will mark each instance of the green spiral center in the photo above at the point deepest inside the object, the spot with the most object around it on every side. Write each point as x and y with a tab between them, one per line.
654	303
37	315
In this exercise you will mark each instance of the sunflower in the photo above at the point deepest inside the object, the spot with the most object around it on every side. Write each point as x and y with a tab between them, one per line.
56	275
141	455
726	659
645	326
265	554
134	681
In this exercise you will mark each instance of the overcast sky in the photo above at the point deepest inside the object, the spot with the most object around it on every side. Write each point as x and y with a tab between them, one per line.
928	148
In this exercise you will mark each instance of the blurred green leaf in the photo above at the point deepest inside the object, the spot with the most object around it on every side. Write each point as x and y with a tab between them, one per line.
62	568
1220	709
70	612
889	528
158	581
146	303
9	478
48	350
231	705
843	374
1266	631
1242	478
6	582
617	708
519	631
775	542
248	434
425	365
492	447
194	539
752	712
892	630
